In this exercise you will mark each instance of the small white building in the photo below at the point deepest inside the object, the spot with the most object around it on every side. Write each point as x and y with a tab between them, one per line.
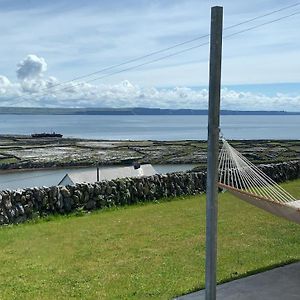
107	174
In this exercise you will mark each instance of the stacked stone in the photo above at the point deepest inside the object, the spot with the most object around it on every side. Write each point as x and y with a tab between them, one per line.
21	205
18	206
281	172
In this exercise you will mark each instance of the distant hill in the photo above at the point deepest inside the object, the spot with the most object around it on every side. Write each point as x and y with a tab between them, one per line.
128	111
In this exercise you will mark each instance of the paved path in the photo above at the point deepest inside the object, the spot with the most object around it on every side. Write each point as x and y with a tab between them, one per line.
282	283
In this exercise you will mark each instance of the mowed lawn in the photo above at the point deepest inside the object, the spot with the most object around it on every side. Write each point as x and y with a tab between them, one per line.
153	251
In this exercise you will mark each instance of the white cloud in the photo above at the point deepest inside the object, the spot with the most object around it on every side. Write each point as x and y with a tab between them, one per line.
4	84
4	81
31	67
40	91
88	37
234	100
39	84
7	88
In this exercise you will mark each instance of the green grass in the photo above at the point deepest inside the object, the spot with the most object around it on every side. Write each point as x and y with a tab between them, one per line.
153	251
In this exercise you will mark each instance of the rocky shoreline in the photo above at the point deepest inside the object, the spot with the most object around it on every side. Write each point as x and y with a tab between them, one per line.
25	152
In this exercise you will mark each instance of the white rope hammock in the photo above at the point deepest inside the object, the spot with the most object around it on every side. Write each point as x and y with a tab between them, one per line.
246	181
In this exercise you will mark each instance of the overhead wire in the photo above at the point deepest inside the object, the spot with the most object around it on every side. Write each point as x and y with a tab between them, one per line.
263	24
181	51
172	54
173	47
263	16
177	45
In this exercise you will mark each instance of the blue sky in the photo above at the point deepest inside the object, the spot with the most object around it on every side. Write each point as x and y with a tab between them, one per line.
72	38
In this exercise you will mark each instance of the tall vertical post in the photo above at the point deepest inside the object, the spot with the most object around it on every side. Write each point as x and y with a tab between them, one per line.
213	150
98	174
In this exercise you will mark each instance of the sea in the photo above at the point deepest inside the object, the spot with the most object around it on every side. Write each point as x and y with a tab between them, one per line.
137	127
164	128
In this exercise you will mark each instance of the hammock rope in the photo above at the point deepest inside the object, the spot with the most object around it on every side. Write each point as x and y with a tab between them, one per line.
245	180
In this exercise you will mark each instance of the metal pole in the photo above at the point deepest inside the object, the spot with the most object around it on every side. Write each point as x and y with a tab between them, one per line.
98	174
213	150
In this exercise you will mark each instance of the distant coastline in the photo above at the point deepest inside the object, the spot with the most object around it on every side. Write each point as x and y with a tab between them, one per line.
129	111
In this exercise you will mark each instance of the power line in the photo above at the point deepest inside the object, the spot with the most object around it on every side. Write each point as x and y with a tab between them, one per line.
174	54
168	48
263	24
177	45
263	16
139	65
181	51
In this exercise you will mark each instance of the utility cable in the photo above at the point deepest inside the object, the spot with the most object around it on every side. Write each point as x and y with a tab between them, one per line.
174	54
175	46
181	51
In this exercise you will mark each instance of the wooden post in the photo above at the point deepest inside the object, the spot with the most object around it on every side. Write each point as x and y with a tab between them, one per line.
213	150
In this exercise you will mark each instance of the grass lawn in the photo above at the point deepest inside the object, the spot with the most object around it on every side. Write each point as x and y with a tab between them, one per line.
153	251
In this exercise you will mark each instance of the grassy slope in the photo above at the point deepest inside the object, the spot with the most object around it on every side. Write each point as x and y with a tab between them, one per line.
153	251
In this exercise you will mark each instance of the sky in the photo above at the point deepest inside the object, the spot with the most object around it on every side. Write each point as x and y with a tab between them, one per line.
46	43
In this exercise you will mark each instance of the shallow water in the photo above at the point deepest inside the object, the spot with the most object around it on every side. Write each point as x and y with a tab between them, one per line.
23	179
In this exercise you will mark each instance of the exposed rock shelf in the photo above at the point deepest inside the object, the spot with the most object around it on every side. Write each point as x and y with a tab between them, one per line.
24	152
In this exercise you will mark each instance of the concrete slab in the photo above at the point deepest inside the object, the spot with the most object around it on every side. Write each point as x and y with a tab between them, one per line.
282	283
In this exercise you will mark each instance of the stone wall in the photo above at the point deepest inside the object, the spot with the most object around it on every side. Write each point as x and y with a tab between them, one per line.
21	205
281	172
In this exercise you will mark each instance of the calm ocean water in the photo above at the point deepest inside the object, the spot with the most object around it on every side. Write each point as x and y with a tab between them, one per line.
137	128
152	127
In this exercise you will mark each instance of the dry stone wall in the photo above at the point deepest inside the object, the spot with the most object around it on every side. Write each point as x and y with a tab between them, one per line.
281	172
20	205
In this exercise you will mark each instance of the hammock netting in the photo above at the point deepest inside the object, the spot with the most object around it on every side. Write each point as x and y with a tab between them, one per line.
246	181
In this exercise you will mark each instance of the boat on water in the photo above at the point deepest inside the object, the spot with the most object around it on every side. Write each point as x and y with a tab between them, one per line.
45	135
